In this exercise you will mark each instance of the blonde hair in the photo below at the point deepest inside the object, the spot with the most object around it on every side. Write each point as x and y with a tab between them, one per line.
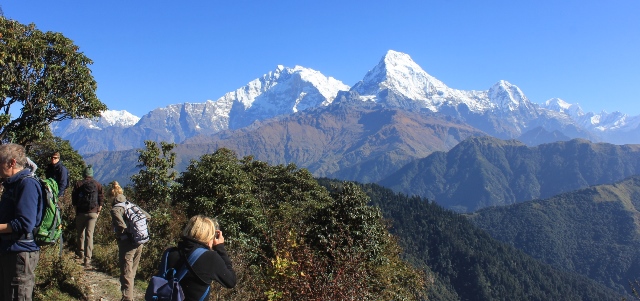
201	228
116	189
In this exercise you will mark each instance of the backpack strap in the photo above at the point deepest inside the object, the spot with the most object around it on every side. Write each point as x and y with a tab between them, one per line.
28	237
165	258
190	261
123	204
124	235
190	267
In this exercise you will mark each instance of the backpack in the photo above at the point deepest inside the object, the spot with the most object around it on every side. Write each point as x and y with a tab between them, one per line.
136	222
166	286
50	228
88	196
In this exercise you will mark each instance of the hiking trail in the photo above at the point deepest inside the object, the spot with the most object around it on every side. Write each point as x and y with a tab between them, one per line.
104	287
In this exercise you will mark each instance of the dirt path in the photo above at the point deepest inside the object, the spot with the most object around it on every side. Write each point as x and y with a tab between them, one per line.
103	287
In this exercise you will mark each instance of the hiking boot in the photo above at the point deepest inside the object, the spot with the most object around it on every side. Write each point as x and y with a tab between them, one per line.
88	265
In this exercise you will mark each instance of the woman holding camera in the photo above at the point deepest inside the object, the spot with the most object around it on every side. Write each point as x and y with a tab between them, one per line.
213	265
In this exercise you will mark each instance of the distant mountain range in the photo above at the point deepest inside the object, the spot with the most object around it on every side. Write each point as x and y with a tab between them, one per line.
396	82
359	142
283	91
398	113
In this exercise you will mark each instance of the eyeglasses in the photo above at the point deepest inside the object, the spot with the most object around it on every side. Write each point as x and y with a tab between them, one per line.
55	157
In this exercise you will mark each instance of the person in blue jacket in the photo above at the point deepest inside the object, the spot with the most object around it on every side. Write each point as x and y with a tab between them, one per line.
20	213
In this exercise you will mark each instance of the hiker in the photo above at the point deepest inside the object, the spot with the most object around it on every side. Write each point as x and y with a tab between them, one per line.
20	212
56	170
214	264
129	252
87	198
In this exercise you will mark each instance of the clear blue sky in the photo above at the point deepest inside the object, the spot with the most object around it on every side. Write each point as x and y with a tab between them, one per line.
150	54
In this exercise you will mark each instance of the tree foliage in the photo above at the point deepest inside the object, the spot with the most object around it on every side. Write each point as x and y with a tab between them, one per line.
269	214
154	183
40	152
45	78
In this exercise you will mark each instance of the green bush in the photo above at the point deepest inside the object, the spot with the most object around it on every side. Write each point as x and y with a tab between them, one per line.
59	277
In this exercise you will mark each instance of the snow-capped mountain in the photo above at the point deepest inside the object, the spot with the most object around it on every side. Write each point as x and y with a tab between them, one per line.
601	123
396	81
279	92
398	74
108	118
559	105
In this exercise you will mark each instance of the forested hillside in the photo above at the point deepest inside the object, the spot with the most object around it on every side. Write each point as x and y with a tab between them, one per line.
593	231
471	263
485	171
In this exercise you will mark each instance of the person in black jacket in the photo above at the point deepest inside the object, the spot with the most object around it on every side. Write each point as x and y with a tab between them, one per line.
87	198
57	171
213	265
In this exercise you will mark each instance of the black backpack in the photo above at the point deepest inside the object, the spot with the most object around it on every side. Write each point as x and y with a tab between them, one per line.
87	196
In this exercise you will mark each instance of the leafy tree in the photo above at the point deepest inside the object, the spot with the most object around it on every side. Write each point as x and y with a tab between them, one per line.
349	219
45	77
40	152
269	214
218	186
155	181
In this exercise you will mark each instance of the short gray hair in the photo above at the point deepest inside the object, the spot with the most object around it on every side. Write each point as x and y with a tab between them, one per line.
13	151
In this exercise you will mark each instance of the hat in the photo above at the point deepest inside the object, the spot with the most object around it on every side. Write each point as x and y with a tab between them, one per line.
88	172
120	198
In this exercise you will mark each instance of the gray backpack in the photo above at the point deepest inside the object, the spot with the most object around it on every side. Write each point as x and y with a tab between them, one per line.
136	222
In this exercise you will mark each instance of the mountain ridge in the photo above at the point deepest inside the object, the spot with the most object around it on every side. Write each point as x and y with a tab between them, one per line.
576	231
502	111
346	141
486	171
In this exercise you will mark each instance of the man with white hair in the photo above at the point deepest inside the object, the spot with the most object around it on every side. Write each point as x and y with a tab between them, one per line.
20	213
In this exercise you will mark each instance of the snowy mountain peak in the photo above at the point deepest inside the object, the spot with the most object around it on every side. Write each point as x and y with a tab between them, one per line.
107	119
559	105
285	79
508	97
399	73
117	118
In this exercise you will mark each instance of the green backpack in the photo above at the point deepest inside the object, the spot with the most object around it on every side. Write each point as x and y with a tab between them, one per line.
50	228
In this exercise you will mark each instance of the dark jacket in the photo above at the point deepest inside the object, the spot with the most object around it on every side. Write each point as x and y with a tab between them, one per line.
60	173
21	207
75	194
212	265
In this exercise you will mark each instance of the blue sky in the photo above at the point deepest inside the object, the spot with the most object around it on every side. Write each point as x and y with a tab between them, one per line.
149	54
